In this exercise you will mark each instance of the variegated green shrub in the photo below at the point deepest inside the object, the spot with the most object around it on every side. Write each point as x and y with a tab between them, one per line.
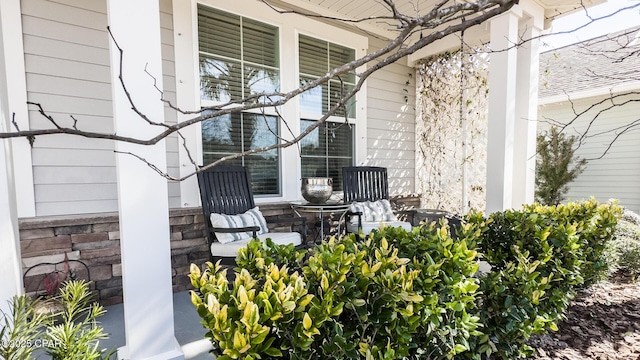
257	318
408	295
445	269
539	256
376	287
595	225
392	295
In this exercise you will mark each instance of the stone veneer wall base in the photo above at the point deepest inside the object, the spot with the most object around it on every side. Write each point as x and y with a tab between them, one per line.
94	239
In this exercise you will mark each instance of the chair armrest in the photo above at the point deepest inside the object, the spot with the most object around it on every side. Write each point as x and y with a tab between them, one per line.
351	213
235	230
253	229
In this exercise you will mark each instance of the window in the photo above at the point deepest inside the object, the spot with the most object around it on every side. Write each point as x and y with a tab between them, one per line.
239	58
240	54
234	133
316	58
326	150
330	146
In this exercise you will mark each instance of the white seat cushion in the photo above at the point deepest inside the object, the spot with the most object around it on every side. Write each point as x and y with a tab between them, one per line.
231	249
252	217
367	226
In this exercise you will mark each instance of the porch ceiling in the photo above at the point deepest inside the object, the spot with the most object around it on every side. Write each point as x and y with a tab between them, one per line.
360	9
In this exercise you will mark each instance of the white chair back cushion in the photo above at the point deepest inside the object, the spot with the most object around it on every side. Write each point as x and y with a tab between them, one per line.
252	217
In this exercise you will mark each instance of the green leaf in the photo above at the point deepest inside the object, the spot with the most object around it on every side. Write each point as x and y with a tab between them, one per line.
358	302
459	348
261	336
273	352
306	321
289	306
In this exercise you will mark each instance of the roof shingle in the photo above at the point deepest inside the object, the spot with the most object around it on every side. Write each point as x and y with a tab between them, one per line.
598	63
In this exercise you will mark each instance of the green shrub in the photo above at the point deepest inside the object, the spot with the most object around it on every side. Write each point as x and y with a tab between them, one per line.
73	333
595	226
444	269
77	334
408	295
625	248
391	295
539	255
556	166
20	328
534	269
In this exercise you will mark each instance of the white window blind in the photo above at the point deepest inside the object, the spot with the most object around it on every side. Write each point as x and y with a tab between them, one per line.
330	146
239	58
316	58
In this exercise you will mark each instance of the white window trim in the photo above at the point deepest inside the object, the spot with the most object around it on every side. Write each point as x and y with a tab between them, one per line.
290	26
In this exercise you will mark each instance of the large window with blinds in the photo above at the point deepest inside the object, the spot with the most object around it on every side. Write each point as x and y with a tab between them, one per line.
239	59
330	146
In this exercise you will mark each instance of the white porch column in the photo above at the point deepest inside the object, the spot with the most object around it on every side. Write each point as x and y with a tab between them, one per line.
187	97
10	269
15	80
502	105
142	193
524	163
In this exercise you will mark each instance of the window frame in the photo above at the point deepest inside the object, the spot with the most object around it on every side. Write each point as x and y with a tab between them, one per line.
185	15
306	116
259	112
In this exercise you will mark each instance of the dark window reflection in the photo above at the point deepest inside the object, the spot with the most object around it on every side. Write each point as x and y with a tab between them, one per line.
326	150
235	133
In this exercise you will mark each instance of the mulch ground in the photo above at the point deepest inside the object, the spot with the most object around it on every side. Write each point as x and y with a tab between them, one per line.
603	322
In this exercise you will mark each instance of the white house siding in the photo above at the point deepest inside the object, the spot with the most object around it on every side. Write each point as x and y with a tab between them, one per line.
617	174
391	123
67	71
67	65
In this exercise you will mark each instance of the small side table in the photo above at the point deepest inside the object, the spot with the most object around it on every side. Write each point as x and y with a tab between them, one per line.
321	210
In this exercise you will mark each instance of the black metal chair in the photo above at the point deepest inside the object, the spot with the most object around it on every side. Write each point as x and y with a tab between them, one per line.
366	183
370	183
226	189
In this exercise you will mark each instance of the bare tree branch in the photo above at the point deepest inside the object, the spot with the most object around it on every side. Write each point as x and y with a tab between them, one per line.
441	20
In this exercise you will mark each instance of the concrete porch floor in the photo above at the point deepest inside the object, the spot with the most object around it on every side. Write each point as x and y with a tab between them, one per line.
189	332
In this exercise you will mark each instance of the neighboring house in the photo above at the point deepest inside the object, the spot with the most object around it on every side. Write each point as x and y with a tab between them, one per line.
575	84
66	194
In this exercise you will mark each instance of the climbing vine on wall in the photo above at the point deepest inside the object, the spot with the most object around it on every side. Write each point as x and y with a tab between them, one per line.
451	131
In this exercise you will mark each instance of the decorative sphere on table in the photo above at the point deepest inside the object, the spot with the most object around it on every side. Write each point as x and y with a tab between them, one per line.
316	190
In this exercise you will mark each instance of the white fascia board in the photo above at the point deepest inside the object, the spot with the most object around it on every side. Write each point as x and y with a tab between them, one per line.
602	91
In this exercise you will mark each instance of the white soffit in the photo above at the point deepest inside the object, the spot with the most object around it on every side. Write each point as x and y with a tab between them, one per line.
363	9
354	10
